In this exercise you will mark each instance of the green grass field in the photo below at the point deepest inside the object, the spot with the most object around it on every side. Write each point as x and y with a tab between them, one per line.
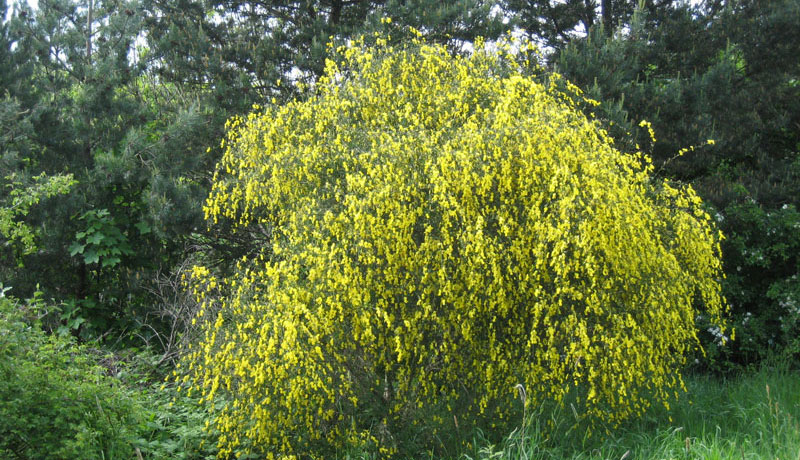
751	416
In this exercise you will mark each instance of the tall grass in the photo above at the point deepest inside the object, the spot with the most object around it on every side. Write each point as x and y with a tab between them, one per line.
752	416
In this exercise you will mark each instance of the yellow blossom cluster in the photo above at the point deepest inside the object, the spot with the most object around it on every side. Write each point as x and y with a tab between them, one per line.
444	228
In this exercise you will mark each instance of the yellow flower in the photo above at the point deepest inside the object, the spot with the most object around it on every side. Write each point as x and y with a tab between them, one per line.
440	230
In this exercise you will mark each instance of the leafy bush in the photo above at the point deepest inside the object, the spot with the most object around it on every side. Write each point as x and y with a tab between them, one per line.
174	427
17	198
761	259
444	228
55	402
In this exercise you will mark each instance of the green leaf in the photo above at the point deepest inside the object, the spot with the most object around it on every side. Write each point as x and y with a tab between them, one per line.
110	261
76	248
143	227
95	238
91	256
76	323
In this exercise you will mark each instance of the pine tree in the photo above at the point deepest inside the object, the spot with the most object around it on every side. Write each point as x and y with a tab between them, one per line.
129	142
240	49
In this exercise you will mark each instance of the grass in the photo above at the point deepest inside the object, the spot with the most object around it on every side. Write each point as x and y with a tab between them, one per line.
752	416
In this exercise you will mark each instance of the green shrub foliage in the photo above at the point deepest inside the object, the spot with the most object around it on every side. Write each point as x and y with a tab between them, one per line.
763	265
55	402
444	228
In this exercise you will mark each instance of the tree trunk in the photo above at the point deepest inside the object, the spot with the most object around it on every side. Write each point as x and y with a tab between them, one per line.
336	13
608	18
89	20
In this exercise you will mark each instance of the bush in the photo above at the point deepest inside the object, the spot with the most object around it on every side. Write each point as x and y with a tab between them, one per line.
174	427
55	403
761	259
444	228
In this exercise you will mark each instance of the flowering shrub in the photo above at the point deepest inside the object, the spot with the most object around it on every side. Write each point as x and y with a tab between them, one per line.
762	263
444	228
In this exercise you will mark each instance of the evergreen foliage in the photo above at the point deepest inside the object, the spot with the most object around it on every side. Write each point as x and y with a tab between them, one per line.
240	49
90	111
443	229
557	24
127	96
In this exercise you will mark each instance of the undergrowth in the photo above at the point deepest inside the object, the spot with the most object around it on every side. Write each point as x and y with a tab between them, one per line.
755	415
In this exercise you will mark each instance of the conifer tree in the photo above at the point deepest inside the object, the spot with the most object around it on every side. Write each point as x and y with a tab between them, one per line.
95	113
